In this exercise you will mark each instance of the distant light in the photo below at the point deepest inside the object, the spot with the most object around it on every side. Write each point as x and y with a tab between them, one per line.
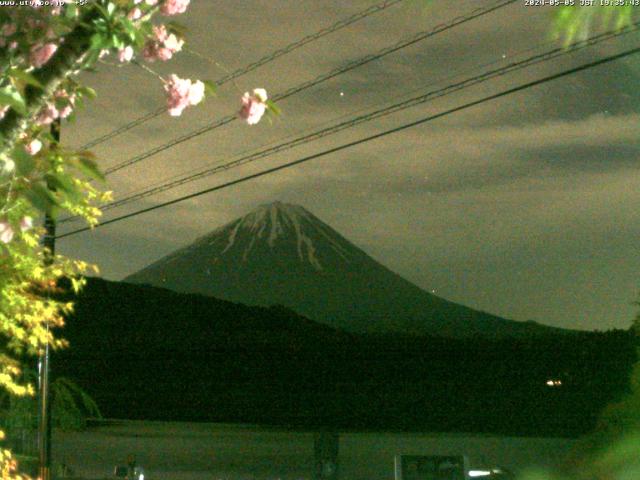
553	382
479	473
342	94
141	477
504	55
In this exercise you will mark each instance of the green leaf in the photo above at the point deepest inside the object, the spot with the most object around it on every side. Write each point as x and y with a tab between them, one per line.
9	96
273	108
25	163
59	183
209	87
71	12
90	168
61	102
129	29
138	38
46	136
116	42
41	198
55	211
25	77
87	92
177	28
606	17
97	42
90	60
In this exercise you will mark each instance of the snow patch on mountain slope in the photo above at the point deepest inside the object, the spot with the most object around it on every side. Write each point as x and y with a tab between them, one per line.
276	220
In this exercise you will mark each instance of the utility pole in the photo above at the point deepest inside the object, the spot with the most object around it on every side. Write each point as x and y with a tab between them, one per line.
44	400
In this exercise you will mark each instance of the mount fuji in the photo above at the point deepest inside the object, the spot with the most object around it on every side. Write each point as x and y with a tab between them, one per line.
282	254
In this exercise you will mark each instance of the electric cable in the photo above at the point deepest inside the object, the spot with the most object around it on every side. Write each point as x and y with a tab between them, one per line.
316	81
535	59
369	138
438	81
252	66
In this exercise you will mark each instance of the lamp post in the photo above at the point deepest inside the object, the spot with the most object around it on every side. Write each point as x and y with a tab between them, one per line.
44	400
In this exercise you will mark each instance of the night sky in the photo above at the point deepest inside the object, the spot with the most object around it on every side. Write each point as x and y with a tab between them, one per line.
525	207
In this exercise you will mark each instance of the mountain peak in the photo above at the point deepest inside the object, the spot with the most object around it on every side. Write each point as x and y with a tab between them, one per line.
282	254
277	210
278	221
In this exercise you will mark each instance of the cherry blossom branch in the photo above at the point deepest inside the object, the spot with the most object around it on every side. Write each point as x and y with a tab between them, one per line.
149	70
64	62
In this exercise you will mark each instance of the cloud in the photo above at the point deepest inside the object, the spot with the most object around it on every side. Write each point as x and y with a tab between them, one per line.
475	197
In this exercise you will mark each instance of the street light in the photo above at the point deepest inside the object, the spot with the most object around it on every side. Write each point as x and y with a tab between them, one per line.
44	400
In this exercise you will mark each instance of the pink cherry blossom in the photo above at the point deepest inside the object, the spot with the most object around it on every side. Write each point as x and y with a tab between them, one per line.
162	45
26	224
177	95
153	51
253	106
40	54
174	7
125	54
6	232
196	93
173	43
152	2
66	110
164	54
50	111
150	51
134	14
260	94
182	93
160	33
9	29
47	115
33	146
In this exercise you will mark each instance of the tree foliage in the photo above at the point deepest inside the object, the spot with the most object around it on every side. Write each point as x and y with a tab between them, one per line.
576	22
44	46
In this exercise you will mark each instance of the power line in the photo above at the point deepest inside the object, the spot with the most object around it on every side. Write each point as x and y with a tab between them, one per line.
316	81
310	38
296	89
368	138
437	81
466	83
253	66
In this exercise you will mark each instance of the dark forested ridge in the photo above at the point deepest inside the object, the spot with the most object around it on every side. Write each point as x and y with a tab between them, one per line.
149	353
